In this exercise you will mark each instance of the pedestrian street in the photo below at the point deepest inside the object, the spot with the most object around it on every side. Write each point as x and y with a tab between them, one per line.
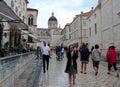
56	77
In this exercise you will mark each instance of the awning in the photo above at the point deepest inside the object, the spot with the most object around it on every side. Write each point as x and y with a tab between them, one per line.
31	35
24	31
28	33
9	15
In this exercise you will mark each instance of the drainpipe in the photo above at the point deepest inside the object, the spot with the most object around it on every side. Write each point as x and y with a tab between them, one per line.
81	25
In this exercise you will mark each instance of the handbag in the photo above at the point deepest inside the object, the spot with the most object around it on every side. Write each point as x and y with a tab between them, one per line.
72	63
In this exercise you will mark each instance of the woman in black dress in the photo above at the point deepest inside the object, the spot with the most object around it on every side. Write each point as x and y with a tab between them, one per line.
71	67
84	58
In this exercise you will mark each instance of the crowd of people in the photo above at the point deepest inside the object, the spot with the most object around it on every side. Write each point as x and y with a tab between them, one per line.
21	48
59	50
72	54
85	55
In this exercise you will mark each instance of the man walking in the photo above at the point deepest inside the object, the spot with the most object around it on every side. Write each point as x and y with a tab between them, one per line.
45	54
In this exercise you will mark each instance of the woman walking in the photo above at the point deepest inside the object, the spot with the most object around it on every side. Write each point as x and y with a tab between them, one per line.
84	53
71	67
96	57
111	58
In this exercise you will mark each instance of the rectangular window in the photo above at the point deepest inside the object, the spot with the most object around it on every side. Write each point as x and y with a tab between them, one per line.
95	15
89	31
69	36
95	28
69	29
84	33
84	22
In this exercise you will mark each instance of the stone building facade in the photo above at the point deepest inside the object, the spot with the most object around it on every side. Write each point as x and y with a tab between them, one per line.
94	27
52	34
104	24
77	30
102	27
13	18
15	23
32	24
110	19
65	35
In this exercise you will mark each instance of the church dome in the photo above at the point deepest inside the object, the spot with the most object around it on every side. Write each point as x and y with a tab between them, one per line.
52	18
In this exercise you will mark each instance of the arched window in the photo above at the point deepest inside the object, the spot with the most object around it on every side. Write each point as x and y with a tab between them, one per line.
23	18
46	33
19	14
16	9
12	4
30	20
41	33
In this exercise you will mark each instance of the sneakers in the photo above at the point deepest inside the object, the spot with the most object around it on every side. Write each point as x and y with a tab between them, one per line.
108	73
117	74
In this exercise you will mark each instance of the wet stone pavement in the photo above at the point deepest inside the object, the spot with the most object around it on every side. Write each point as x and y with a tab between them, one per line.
56	77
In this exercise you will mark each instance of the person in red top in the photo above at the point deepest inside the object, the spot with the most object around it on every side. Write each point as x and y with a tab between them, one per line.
111	58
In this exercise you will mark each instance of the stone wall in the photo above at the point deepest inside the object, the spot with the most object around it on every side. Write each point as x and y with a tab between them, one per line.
11	67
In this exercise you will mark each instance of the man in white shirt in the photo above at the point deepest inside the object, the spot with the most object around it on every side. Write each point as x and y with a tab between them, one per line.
45	54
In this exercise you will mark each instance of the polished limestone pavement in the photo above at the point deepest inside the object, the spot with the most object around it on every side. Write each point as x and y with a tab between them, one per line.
56	77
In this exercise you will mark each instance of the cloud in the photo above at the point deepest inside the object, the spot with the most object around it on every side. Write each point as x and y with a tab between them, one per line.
64	10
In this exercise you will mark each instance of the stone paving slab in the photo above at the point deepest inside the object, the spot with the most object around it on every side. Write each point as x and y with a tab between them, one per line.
21	81
56	77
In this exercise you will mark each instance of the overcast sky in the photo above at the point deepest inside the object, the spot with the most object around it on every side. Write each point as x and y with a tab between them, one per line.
64	10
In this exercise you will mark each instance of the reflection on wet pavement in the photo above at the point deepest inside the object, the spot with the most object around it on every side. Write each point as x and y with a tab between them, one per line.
56	77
